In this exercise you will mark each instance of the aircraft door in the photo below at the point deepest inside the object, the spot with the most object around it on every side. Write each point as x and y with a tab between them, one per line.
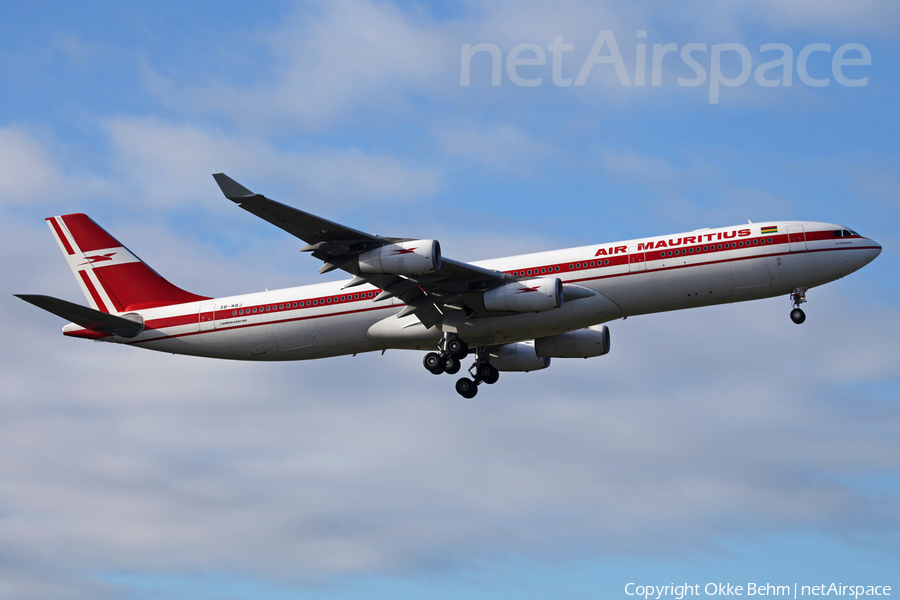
207	317
637	261
796	237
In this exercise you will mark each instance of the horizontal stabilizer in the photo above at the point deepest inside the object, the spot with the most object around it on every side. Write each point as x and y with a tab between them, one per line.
94	320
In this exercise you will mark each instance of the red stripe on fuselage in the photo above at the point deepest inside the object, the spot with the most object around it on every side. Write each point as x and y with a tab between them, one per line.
192	318
600	261
712	262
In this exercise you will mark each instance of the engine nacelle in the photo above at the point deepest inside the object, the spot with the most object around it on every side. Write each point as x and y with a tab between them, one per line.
532	295
516	357
583	343
416	257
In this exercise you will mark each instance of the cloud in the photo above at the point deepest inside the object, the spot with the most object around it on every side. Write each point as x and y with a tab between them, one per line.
26	168
869	16
171	163
33	172
357	65
655	171
725	423
331	60
128	461
500	146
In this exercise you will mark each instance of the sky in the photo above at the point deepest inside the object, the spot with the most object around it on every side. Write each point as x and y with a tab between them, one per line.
721	445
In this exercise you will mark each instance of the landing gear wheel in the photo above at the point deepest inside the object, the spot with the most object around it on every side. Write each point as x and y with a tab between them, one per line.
466	388
488	373
451	365
798	297
457	348
434	363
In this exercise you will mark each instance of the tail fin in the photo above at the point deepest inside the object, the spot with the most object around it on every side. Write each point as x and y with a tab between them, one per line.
111	277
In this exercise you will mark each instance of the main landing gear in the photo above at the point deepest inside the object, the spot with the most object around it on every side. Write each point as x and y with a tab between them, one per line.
449	360
482	372
798	297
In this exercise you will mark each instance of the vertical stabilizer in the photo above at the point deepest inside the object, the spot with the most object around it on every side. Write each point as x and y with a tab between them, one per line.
112	278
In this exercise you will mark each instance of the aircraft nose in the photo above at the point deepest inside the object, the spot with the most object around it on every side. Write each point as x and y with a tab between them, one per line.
873	250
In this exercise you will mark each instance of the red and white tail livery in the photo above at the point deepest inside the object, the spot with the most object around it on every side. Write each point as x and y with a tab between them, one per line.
112	278
514	313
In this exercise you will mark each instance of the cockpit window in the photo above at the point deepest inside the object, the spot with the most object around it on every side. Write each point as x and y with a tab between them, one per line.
837	233
854	233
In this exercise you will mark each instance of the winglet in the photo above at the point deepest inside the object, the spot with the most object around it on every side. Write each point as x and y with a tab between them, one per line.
231	188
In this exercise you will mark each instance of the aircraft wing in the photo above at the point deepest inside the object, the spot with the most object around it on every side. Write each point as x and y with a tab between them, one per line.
454	285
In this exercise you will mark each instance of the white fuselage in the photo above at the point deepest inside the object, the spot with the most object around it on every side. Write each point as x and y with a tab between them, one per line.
700	268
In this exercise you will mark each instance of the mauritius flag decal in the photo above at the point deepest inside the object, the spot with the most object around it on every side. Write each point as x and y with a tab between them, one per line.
769	229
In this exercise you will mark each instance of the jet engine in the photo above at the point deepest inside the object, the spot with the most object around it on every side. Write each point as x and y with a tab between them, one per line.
583	343
516	357
415	257
532	295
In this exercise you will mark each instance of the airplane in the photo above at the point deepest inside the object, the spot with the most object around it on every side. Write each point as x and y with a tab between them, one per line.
514	313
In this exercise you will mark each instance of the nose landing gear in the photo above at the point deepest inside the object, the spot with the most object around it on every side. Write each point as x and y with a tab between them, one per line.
798	297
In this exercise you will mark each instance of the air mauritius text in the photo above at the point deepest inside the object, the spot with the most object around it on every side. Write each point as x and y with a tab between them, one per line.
811	63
